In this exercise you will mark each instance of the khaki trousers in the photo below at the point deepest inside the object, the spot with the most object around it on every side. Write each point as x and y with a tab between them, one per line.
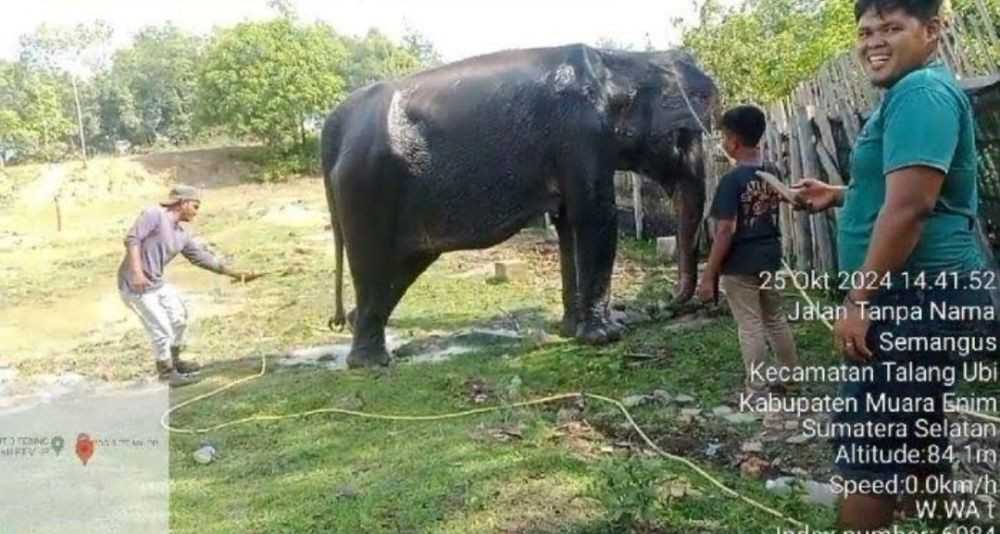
758	314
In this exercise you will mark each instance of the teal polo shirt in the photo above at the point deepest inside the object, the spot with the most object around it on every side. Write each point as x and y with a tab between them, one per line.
924	119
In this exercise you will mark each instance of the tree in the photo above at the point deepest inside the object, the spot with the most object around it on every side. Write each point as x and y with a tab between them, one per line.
77	53
151	88
267	79
375	58
761	51
420	47
34	122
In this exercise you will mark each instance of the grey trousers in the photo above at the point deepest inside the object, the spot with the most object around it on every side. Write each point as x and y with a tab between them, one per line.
163	315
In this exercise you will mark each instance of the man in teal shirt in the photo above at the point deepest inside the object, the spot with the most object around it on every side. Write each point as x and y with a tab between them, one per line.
907	240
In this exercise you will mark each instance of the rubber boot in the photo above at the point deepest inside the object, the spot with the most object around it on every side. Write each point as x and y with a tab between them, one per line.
166	373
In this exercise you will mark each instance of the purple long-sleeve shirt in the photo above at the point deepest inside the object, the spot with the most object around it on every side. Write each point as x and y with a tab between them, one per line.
160	239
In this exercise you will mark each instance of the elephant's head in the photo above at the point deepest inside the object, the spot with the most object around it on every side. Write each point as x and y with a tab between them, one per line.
660	103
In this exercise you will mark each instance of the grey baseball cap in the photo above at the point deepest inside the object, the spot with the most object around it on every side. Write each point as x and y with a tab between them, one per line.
181	192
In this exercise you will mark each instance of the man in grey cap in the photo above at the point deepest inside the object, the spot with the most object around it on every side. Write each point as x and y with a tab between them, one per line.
156	238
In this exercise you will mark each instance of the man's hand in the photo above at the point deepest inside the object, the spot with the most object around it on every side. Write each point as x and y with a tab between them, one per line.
849	335
706	288
139	282
814	195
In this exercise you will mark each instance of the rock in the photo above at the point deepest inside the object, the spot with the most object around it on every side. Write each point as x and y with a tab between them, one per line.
752	446
684	399
666	247
633	400
618	316
722	411
205	454
798	439
741	418
345	491
511	271
712	450
690	412
781	485
820	494
662	396
754	467
774	421
791	425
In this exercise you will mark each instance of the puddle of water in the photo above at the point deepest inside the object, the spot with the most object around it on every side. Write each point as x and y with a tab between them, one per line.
430	350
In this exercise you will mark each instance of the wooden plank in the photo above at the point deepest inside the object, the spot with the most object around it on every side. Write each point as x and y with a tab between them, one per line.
829	167
825	129
801	228
821	245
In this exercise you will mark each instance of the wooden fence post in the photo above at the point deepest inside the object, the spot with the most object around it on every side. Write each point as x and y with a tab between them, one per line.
637	202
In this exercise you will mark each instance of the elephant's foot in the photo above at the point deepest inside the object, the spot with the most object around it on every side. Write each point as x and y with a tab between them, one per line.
568	326
616	330
599	332
684	290
352	318
366	358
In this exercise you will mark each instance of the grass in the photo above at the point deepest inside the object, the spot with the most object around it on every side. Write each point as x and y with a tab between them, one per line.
331	474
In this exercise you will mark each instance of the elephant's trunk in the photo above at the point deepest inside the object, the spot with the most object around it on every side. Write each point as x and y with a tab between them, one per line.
689	202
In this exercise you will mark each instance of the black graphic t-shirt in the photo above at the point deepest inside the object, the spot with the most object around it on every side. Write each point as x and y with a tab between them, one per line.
756	247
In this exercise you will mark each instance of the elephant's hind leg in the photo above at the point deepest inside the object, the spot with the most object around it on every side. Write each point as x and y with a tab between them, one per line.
570	289
378	296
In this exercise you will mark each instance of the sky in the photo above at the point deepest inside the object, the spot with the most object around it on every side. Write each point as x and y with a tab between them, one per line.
457	28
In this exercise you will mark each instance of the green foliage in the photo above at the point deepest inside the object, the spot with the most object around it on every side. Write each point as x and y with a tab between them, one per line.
150	91
265	80
420	47
376	57
281	163
33	121
627	488
271	82
763	50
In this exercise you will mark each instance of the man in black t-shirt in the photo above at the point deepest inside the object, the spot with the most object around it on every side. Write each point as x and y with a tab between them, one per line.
748	243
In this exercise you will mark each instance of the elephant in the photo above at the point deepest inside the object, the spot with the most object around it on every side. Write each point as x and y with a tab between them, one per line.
464	155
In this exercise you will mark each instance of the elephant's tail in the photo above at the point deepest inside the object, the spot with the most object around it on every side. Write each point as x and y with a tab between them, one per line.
339	319
330	149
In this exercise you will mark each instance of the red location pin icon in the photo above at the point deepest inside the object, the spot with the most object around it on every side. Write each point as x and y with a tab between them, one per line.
84	448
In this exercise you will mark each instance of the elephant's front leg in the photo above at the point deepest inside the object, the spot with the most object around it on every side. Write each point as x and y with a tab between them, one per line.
594	241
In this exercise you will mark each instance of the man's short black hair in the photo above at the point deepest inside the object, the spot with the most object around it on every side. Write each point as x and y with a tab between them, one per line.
747	122
921	9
